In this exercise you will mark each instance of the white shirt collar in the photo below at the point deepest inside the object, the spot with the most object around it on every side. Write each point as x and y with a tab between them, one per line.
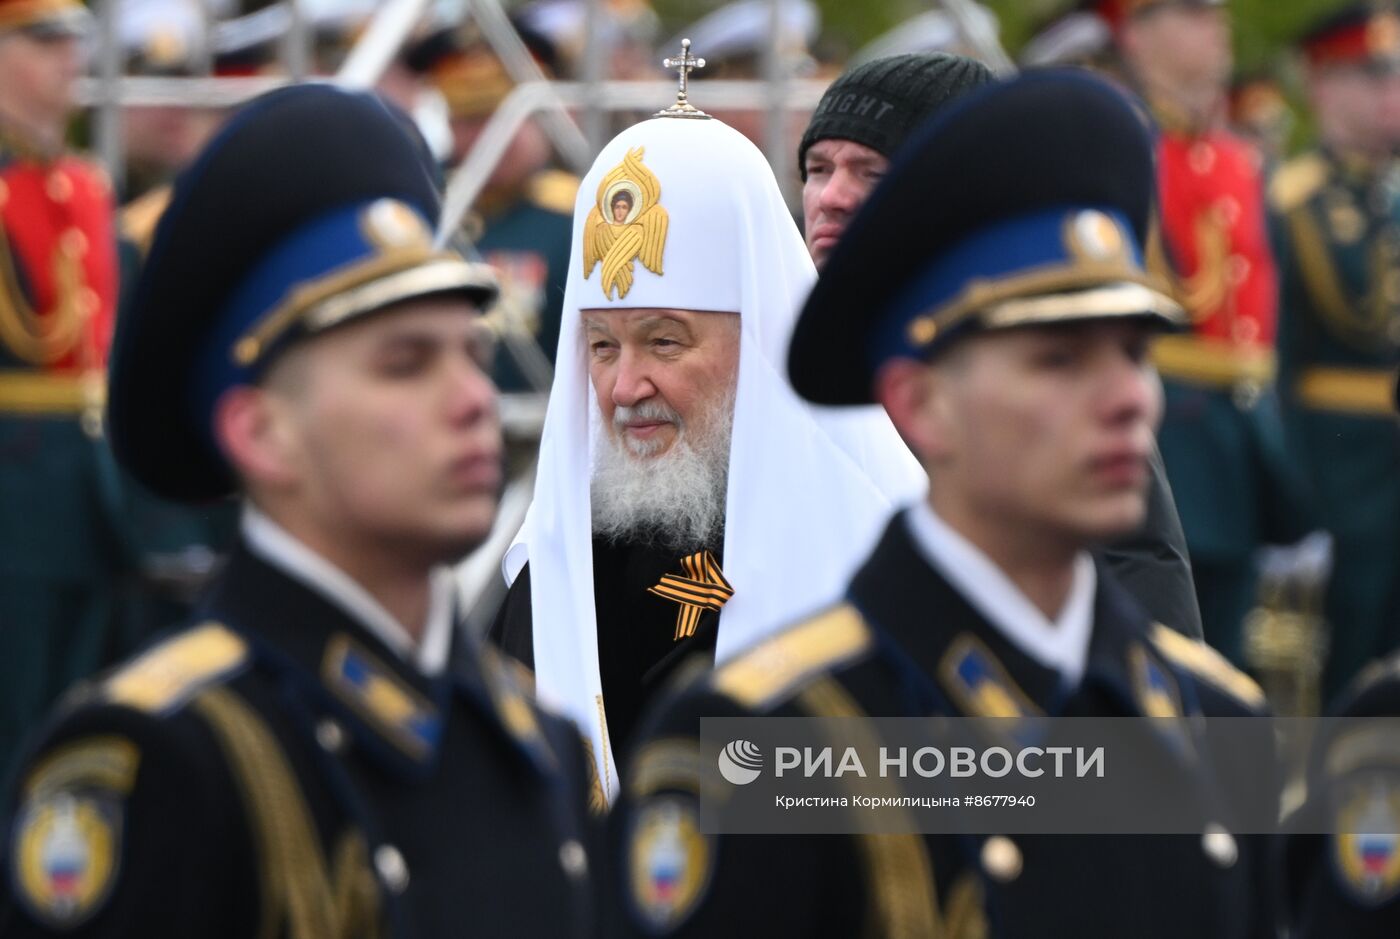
1062	645
275	545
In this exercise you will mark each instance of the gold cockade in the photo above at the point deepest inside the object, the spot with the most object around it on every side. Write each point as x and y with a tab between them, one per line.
627	224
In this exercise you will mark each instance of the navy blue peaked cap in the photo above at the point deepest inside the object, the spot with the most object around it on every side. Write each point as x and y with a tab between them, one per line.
1026	201
312	206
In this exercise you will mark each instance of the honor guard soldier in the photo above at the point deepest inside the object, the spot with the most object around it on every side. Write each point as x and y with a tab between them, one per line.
1221	436
1341	856
863	118
1337	212
522	220
1260	113
60	556
1342	863
991	294
323	753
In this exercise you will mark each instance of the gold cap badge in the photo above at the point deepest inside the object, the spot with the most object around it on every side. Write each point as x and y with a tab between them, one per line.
627	224
1094	236
389	224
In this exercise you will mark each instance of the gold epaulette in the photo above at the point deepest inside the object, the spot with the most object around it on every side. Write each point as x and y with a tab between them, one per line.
511	686
1296	181
139	217
1205	663
169	675
780	666
515	671
553	190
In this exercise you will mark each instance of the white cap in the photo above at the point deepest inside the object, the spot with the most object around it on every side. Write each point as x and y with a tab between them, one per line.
934	31
744	28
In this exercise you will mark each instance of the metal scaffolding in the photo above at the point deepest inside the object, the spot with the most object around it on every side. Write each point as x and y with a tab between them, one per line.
573	114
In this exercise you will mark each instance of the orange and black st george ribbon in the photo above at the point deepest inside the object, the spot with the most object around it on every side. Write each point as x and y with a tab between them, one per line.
702	587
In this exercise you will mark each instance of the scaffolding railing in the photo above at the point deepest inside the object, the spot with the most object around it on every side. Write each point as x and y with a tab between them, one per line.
573	114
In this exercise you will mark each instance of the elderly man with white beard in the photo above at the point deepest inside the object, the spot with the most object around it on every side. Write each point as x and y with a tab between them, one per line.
687	501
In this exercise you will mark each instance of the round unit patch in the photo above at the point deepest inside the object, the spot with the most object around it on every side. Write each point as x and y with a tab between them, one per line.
65	855
1368	864
669	861
65	848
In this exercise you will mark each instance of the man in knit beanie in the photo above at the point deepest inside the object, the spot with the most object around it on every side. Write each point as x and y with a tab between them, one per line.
860	122
864	117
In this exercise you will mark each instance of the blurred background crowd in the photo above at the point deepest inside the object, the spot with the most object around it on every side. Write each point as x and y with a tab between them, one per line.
1280	197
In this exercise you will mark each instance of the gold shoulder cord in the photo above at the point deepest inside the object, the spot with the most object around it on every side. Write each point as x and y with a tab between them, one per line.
296	887
1208	288
20	329
898	872
1324	285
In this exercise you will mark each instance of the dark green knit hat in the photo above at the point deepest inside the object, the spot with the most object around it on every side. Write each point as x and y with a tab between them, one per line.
878	103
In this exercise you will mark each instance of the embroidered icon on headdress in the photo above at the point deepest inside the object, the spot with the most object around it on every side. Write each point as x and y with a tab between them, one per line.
627	224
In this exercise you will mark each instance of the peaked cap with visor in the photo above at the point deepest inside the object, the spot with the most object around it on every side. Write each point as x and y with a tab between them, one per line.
1027	202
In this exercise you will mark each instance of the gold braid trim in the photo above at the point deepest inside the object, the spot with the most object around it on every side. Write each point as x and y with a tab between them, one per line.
1216	363
967	913
356	890
1324	285
40	343
898	873
1208	288
36	392
1368	392
603	727
296	888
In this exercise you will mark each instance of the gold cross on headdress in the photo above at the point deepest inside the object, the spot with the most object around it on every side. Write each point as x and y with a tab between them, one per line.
684	66
702	588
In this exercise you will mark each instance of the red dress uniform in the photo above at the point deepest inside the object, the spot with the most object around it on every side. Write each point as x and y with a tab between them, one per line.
62	554
58	294
1221	438
1216	233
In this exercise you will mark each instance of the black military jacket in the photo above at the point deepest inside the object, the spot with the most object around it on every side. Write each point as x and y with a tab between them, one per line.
638	648
896	649
1348	883
276	770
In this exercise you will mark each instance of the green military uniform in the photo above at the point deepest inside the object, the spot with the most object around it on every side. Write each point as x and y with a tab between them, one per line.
1338	231
61	557
523	221
1220	435
61	563
528	243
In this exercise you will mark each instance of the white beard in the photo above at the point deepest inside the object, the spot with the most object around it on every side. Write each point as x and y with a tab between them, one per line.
675	500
